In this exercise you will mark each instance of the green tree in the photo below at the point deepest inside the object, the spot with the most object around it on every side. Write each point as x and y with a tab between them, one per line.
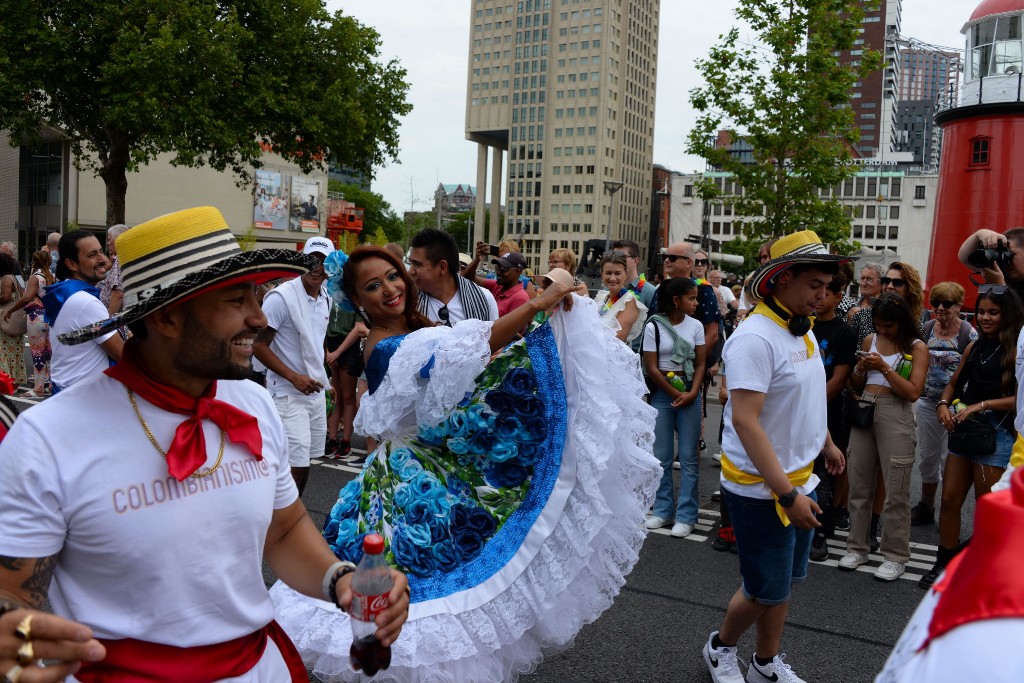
208	82
788	97
747	248
377	213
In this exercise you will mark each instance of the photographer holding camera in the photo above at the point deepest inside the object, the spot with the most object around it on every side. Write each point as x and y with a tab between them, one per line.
998	257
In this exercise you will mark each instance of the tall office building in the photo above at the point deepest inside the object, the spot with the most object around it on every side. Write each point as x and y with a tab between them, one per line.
566	89
928	74
874	98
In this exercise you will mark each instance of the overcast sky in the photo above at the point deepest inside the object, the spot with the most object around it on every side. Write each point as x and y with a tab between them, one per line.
431	40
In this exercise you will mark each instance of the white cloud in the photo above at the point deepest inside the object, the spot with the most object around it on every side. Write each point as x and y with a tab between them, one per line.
431	40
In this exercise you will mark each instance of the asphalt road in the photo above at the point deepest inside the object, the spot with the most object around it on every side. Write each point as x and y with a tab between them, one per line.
840	629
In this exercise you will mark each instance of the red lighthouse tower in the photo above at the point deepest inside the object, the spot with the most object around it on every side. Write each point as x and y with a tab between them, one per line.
981	175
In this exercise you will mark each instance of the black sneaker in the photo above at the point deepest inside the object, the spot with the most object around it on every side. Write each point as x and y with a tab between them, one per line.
330	447
819	548
724	541
922	514
842	519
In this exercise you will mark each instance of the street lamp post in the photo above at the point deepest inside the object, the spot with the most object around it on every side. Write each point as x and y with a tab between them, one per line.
611	187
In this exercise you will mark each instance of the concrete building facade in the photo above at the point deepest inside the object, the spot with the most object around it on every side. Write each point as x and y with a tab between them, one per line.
565	88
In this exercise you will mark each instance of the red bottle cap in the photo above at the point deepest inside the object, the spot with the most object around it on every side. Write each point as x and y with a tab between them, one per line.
373	544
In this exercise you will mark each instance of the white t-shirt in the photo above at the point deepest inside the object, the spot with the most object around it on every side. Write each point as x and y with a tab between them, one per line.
764	357
954	656
287	345
71	364
140	554
690	329
456	313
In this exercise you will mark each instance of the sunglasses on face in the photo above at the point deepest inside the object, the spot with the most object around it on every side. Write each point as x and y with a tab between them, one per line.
894	281
701	262
675	257
945	303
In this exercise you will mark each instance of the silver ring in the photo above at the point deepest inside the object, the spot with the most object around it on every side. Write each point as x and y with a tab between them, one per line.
14	675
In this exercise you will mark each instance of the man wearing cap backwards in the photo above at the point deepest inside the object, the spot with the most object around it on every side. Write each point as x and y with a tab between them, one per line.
292	348
775	427
149	541
446	297
75	302
507	289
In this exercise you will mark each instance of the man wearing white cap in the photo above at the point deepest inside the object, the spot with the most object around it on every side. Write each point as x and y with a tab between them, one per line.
292	348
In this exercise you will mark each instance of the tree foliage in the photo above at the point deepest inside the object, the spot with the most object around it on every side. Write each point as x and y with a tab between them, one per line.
208	82
788	96
377	212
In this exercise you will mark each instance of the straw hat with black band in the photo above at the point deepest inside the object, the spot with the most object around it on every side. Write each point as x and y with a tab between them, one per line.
798	248
172	258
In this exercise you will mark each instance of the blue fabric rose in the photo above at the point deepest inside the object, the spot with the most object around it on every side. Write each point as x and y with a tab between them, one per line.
409	470
404	494
506	426
520	381
501	401
441	505
528	406
405	551
458	446
534	430
419	534
446	555
481	521
529	454
481	442
439	530
503	451
505	475
418	512
434	436
478	417
330	532
459	425
425	486
399	458
469	544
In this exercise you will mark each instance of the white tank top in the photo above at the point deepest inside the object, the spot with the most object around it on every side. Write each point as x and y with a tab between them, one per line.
876	377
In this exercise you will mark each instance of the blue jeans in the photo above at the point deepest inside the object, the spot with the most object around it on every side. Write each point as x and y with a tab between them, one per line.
684	422
772	556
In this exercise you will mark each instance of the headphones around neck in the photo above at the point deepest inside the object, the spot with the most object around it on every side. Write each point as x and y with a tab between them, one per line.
798	325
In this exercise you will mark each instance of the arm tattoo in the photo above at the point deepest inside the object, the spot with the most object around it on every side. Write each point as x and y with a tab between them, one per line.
32	576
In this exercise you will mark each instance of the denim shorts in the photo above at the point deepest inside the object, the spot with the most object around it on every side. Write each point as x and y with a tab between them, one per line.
1004	441
772	556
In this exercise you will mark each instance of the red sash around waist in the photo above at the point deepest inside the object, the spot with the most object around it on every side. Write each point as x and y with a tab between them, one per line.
138	661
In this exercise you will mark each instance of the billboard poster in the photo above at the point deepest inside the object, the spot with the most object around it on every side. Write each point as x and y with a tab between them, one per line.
305	215
270	201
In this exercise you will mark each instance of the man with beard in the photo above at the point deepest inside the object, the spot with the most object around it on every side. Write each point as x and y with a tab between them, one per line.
292	348
145	517
74	302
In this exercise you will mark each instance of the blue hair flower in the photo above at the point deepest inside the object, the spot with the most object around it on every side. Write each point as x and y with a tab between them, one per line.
334	266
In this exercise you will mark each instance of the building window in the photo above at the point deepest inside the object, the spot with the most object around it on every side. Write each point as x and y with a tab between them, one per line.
979	151
919	192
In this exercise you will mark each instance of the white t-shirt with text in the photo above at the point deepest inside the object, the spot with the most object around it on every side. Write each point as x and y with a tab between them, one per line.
287	345
71	364
766	358
141	555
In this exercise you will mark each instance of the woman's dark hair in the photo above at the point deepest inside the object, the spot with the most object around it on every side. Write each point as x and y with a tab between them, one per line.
8	265
1011	319
413	318
891	308
41	262
670	289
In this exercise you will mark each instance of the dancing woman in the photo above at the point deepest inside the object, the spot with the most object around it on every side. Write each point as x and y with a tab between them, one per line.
512	491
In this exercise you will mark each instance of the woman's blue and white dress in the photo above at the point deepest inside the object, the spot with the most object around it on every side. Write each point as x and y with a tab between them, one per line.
512	493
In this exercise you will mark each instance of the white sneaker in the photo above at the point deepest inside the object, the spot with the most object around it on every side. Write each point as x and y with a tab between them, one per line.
722	663
654	522
681	530
776	671
851	561
889	571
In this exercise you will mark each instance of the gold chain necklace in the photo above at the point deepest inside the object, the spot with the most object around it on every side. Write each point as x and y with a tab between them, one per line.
152	439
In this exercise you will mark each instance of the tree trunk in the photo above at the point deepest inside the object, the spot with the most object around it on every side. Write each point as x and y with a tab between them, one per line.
114	174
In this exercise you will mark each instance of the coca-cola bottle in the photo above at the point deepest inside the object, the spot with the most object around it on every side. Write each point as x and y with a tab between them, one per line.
371	584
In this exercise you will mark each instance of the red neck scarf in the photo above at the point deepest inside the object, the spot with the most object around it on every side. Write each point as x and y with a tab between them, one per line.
188	450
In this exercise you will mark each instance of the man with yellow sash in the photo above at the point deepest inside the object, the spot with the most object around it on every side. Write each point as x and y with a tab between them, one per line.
775	426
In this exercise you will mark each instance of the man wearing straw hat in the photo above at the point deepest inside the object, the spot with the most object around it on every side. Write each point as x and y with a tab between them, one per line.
775	427
145	517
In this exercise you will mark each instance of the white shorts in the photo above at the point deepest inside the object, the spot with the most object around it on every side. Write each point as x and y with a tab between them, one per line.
305	423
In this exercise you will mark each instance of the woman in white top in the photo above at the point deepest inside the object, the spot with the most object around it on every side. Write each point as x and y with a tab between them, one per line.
674	343
890	374
619	307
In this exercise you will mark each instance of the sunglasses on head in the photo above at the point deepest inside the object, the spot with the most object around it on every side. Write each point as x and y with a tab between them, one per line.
945	303
701	262
442	314
675	257
894	281
992	289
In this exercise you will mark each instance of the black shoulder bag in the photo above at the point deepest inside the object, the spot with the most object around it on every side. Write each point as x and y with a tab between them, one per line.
971	437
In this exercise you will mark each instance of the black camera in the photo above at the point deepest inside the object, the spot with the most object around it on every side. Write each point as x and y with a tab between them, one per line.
989	258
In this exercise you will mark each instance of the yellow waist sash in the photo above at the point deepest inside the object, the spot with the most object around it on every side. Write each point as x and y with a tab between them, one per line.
738	476
1017	454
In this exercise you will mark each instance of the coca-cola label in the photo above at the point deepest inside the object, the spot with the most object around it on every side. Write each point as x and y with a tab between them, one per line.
367	607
